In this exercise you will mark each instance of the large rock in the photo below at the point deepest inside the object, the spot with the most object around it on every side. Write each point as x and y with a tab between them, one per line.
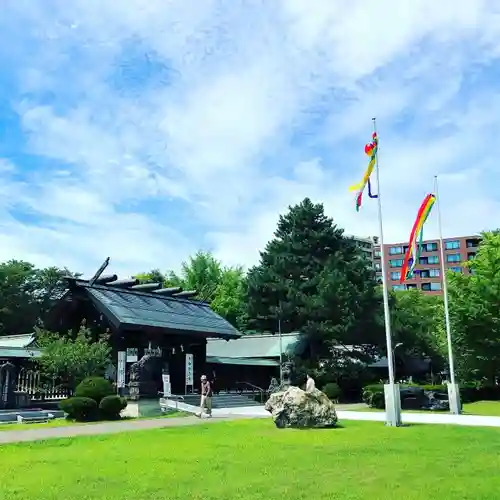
299	409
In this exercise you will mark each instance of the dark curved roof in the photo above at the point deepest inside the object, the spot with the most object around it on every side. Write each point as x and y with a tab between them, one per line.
129	309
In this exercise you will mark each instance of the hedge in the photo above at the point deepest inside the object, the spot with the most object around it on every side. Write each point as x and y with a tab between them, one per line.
111	407
95	388
80	409
373	394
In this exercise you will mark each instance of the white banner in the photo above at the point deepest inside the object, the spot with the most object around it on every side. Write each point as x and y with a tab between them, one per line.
122	362
167	388
189	369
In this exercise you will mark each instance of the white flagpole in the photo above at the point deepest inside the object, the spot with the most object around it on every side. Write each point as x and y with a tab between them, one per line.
453	391
392	396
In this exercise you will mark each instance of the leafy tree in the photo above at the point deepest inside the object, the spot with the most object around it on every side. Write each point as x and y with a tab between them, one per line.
26	294
222	287
229	295
416	320
72	359
202	272
153	276
475	314
315	280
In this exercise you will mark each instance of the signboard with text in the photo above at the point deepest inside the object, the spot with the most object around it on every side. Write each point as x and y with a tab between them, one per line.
122	362
167	388
189	369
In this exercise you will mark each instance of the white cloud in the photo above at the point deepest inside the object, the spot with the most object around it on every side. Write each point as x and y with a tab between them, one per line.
162	127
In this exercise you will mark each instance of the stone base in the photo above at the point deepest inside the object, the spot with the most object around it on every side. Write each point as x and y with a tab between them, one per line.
392	405
454	399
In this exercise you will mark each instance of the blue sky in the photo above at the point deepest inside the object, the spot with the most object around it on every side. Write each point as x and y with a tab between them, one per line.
148	130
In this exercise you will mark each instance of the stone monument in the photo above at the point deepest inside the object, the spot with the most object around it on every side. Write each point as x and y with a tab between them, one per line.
296	408
141	378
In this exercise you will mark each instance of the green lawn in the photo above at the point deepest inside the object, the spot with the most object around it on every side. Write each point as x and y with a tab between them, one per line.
61	422
252	460
486	408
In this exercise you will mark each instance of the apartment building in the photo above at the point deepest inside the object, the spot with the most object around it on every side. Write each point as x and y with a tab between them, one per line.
366	245
428	270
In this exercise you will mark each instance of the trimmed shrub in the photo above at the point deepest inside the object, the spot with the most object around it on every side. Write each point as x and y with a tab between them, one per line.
332	390
469	393
377	400
110	407
95	388
79	409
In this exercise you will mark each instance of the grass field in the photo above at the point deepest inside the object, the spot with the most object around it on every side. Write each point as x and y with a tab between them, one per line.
486	408
253	460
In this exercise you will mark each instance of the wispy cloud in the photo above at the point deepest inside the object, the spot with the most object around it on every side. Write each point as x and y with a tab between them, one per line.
145	131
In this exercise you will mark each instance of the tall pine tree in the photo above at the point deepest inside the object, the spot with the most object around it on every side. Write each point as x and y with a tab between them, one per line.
316	281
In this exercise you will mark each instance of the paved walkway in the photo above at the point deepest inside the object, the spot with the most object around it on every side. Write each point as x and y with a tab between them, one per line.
106	428
379	416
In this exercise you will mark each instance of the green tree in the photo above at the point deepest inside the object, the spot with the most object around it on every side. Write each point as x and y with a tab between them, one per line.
26	294
153	276
70	359
228	300
221	286
417	321
316	281
475	314
202	272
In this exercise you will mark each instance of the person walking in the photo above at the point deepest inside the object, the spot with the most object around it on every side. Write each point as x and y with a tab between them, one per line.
206	397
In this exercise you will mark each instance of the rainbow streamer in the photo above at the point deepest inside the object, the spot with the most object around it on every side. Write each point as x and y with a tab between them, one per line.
371	151
416	238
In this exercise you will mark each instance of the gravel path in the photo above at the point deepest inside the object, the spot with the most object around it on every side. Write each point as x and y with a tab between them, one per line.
104	428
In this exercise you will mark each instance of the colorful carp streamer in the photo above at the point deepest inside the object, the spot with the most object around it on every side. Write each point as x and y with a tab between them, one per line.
416	238
371	151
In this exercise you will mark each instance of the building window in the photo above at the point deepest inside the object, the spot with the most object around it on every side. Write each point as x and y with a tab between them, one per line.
396	275
452	245
433	259
396	250
456	269
431	287
472	242
378	266
411	286
453	257
377	254
430	247
434	273
471	255
425	273
398	287
396	262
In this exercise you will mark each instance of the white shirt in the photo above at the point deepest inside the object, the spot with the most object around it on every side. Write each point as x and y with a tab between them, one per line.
310	385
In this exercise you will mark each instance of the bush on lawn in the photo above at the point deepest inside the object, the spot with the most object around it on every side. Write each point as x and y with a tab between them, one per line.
332	391
79	409
95	388
373	395
110	407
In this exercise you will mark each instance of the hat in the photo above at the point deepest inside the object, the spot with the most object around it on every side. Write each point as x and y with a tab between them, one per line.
203	377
